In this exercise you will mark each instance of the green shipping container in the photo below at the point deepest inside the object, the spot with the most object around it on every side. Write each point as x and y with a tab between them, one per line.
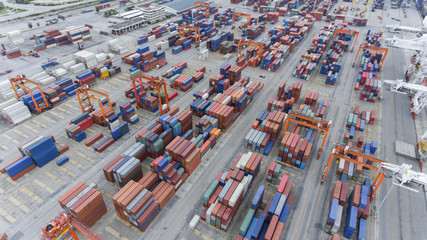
210	191
247	222
158	145
277	169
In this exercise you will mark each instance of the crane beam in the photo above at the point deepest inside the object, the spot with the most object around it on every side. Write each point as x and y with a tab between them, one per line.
322	126
341	152
154	82
248	43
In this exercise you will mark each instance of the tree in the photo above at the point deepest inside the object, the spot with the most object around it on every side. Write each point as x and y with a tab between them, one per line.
30	25
38	24
1	6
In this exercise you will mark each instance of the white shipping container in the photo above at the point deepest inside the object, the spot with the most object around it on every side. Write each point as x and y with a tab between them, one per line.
48	80
194	221
151	38
77	68
236	195
341	165
8	103
101	57
16	113
59	72
338	218
40	75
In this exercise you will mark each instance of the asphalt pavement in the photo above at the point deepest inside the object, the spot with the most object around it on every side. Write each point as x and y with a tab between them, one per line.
401	217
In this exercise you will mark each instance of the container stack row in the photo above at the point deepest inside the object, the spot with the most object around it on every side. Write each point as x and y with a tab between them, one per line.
296	145
331	65
157	32
114	171
286	97
35	153
358	209
223	197
175	70
54	94
357	121
144	59
273	173
268	223
107	70
140	202
366	77
214	43
84	202
265	130
311	58
52	38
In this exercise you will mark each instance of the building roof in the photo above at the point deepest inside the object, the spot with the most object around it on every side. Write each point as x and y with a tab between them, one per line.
182	5
127	23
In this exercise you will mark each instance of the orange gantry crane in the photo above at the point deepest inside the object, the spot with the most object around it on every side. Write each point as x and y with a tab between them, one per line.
354	33
153	82
84	95
181	30
61	227
342	152
204	4
321	125
248	43
384	51
238	14
20	81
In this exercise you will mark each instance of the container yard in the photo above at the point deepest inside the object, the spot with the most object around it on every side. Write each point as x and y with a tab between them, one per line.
183	119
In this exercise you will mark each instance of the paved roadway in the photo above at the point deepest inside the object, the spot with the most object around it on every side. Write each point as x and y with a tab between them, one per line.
31	9
403	211
308	216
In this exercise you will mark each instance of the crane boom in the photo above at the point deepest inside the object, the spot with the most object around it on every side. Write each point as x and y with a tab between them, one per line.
416	91
418	44
403	176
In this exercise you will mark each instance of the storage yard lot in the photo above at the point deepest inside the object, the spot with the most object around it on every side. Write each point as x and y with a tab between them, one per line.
26	205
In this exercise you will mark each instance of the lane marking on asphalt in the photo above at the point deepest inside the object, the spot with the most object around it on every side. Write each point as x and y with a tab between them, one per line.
104	90
76	163
3	212
112	232
10	138
114	83
39	123
58	180
56	114
47	188
19	204
121	80
90	130
20	133
48	118
4	147
84	156
65	170
71	106
30	128
10	219
11	181
31	194
269	193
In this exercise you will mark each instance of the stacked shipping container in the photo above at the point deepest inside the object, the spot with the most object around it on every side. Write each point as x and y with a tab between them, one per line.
270	222
84	202
223	197
286	97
